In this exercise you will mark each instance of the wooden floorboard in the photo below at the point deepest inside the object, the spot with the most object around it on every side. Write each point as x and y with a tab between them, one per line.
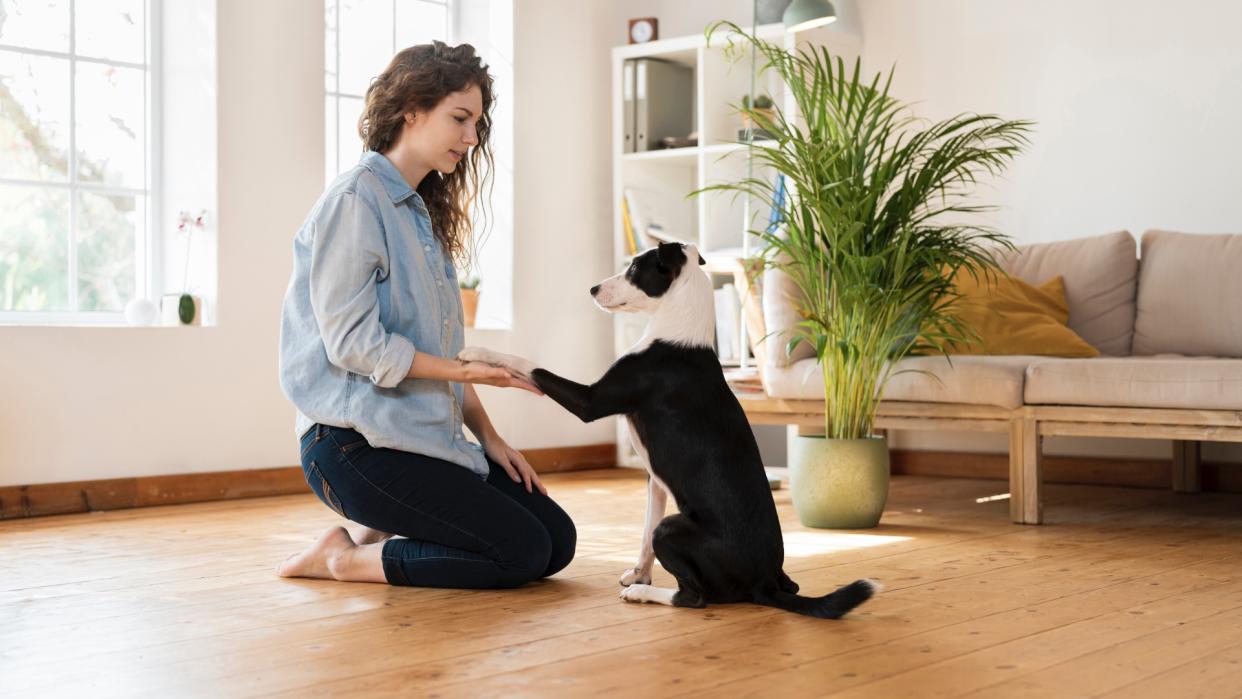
1124	592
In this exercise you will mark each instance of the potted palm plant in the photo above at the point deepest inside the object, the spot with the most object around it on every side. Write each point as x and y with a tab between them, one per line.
873	234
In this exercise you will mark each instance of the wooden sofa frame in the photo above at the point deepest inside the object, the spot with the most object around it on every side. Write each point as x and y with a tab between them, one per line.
1027	426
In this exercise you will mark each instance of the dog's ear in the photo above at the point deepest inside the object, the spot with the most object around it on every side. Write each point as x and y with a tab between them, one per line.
670	255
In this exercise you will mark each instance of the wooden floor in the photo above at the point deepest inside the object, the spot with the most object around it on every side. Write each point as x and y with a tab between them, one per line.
1124	593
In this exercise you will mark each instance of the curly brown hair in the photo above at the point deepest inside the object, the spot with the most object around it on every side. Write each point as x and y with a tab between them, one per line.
416	80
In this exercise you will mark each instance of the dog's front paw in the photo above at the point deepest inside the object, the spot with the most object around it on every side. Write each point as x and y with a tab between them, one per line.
635	576
634	593
478	354
516	365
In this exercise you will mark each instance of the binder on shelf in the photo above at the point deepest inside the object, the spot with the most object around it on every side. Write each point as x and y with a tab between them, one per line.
627	106
663	102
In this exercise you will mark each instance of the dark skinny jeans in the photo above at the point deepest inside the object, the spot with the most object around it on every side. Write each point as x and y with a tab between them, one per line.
452	529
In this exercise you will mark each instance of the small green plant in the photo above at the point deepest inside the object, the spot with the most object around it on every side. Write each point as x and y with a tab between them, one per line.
470	282
185	309
761	102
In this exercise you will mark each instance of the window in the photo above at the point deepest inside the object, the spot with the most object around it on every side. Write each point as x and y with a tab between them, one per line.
76	96
360	37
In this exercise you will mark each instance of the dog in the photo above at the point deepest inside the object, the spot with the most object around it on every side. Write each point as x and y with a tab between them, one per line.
724	544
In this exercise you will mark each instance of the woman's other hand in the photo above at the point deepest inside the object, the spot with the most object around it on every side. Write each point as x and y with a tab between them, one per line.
512	461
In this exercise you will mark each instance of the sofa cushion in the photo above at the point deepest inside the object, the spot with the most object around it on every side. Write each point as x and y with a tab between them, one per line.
976	380
1100	273
1190	295
1165	381
781	298
1009	316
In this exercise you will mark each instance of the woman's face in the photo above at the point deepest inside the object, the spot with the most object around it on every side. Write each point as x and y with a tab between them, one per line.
443	137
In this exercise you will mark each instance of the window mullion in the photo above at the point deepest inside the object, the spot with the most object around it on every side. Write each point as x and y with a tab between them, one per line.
146	275
72	251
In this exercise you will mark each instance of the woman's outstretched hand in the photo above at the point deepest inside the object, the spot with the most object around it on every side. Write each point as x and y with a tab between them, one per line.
478	372
512	461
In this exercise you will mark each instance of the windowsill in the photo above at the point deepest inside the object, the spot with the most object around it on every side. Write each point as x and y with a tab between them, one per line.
110	326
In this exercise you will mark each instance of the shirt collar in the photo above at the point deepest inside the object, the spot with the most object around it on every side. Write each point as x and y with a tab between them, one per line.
398	189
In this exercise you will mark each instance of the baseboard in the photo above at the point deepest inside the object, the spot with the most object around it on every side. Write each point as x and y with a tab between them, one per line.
1081	470
145	491
579	458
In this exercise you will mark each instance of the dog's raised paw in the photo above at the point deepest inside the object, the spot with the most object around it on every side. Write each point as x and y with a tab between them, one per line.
477	354
635	576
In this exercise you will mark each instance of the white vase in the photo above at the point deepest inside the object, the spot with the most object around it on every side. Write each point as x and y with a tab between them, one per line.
140	312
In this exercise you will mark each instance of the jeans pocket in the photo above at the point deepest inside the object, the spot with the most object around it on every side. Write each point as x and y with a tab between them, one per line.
354	445
319	485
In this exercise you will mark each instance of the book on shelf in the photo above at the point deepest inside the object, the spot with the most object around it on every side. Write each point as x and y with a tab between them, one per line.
656	234
631	241
777	217
648	231
746	382
639	216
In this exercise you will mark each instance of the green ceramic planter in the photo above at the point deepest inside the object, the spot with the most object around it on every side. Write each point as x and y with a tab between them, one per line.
838	483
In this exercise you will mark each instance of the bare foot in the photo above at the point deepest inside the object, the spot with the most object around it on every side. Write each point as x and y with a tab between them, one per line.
367	535
313	562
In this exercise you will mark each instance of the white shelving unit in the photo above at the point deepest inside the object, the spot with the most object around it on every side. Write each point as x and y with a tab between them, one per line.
662	179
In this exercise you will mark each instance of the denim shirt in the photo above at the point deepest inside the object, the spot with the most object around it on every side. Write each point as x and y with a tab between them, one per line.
371	286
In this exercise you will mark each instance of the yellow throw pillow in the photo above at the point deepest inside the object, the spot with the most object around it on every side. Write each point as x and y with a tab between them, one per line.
1013	317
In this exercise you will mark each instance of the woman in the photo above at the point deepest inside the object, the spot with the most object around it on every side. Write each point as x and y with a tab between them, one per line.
371	319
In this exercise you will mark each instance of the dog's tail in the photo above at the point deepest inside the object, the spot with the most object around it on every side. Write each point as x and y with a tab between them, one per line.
833	605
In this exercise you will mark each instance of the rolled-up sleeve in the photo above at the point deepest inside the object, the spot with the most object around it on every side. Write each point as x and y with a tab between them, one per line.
348	261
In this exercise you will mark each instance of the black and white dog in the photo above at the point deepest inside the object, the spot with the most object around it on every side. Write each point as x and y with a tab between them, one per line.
725	544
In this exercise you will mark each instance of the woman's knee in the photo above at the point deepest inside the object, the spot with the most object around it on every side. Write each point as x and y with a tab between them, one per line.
564	538
525	556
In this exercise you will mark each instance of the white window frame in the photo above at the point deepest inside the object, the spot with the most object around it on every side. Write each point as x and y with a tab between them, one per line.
336	95
146	241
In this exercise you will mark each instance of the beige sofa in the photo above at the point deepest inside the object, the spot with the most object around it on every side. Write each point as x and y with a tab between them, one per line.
1168	326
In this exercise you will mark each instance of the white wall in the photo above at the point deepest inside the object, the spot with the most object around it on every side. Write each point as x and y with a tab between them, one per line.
89	403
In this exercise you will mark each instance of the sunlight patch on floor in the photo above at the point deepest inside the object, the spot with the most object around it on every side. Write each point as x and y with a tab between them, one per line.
992	498
804	544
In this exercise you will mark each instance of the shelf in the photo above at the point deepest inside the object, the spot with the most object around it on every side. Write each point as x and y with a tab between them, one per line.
691	152
689	155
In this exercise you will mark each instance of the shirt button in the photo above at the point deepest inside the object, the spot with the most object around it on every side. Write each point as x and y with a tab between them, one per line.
438	283
427	248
